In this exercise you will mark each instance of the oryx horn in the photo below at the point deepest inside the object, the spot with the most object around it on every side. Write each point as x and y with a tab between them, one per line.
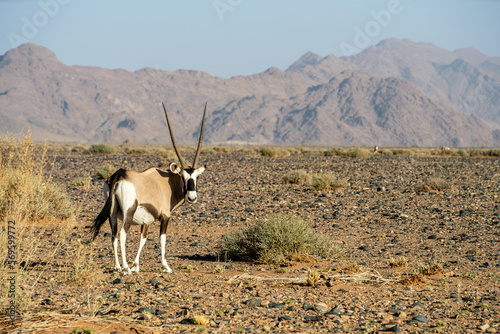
195	162
183	165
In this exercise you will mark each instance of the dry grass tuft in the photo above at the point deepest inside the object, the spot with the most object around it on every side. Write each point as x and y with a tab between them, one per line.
297	177
27	191
274	152
355	152
313	277
432	269
34	206
433	184
327	182
351	268
398	262
199	320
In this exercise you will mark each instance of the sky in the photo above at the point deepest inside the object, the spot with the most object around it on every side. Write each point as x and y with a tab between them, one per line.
238	37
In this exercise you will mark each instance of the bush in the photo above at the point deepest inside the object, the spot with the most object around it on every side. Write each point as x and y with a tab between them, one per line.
386	152
273	152
327	182
434	184
335	152
279	240
403	151
349	153
297	177
26	192
106	171
356	152
101	149
136	150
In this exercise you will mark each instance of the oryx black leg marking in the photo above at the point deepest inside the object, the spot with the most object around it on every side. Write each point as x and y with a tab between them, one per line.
163	239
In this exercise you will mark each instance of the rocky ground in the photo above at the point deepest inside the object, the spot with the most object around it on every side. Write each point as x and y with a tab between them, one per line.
378	216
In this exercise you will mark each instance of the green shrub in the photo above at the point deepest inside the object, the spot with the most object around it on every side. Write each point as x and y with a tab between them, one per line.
335	152
279	240
326	182
106	171
386	152
101	149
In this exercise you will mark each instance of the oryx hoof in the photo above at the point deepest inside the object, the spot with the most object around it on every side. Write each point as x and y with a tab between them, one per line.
127	271
135	268
167	270
117	269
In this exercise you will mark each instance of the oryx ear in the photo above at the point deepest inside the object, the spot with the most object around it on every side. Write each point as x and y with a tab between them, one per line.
174	168
201	169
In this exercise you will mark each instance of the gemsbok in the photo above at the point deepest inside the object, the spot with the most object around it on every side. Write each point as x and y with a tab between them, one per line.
143	198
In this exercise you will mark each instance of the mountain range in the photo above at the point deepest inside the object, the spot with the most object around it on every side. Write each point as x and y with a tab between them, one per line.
397	93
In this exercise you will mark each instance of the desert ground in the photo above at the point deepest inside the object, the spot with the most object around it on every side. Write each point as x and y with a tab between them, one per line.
412	260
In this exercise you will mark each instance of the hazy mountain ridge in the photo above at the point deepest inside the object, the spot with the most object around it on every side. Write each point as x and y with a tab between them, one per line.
436	71
317	100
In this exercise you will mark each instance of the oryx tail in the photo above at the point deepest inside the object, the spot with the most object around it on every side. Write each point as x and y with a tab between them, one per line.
110	198
101	218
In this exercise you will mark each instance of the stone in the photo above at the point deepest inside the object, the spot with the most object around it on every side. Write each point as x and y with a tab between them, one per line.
483	327
253	303
420	318
321	307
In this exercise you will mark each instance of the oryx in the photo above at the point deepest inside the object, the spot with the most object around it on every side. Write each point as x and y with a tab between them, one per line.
143	198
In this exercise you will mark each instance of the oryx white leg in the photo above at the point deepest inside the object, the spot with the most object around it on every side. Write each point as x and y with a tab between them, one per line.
123	239
163	240
113	222
115	250
144	233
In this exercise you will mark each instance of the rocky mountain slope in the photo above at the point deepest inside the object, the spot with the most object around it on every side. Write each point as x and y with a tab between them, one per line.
466	79
320	101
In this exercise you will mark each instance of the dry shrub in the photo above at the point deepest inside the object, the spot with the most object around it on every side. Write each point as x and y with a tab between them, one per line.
297	177
313	277
349	153
274	152
398	262
278	239
351	268
27	191
432	269
403	151
199	320
414	279
433	184
35	206
137	150
327	182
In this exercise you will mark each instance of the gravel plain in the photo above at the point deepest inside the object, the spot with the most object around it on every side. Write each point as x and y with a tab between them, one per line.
380	216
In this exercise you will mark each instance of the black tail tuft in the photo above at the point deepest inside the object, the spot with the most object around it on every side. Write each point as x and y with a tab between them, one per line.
101	218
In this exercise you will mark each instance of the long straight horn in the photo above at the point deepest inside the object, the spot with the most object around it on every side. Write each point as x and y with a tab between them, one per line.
183	165
195	162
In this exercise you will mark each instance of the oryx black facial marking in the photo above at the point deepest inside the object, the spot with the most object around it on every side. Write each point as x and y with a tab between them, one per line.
143	198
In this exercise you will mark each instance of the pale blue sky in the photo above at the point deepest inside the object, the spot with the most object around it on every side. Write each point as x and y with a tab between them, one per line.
233	37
